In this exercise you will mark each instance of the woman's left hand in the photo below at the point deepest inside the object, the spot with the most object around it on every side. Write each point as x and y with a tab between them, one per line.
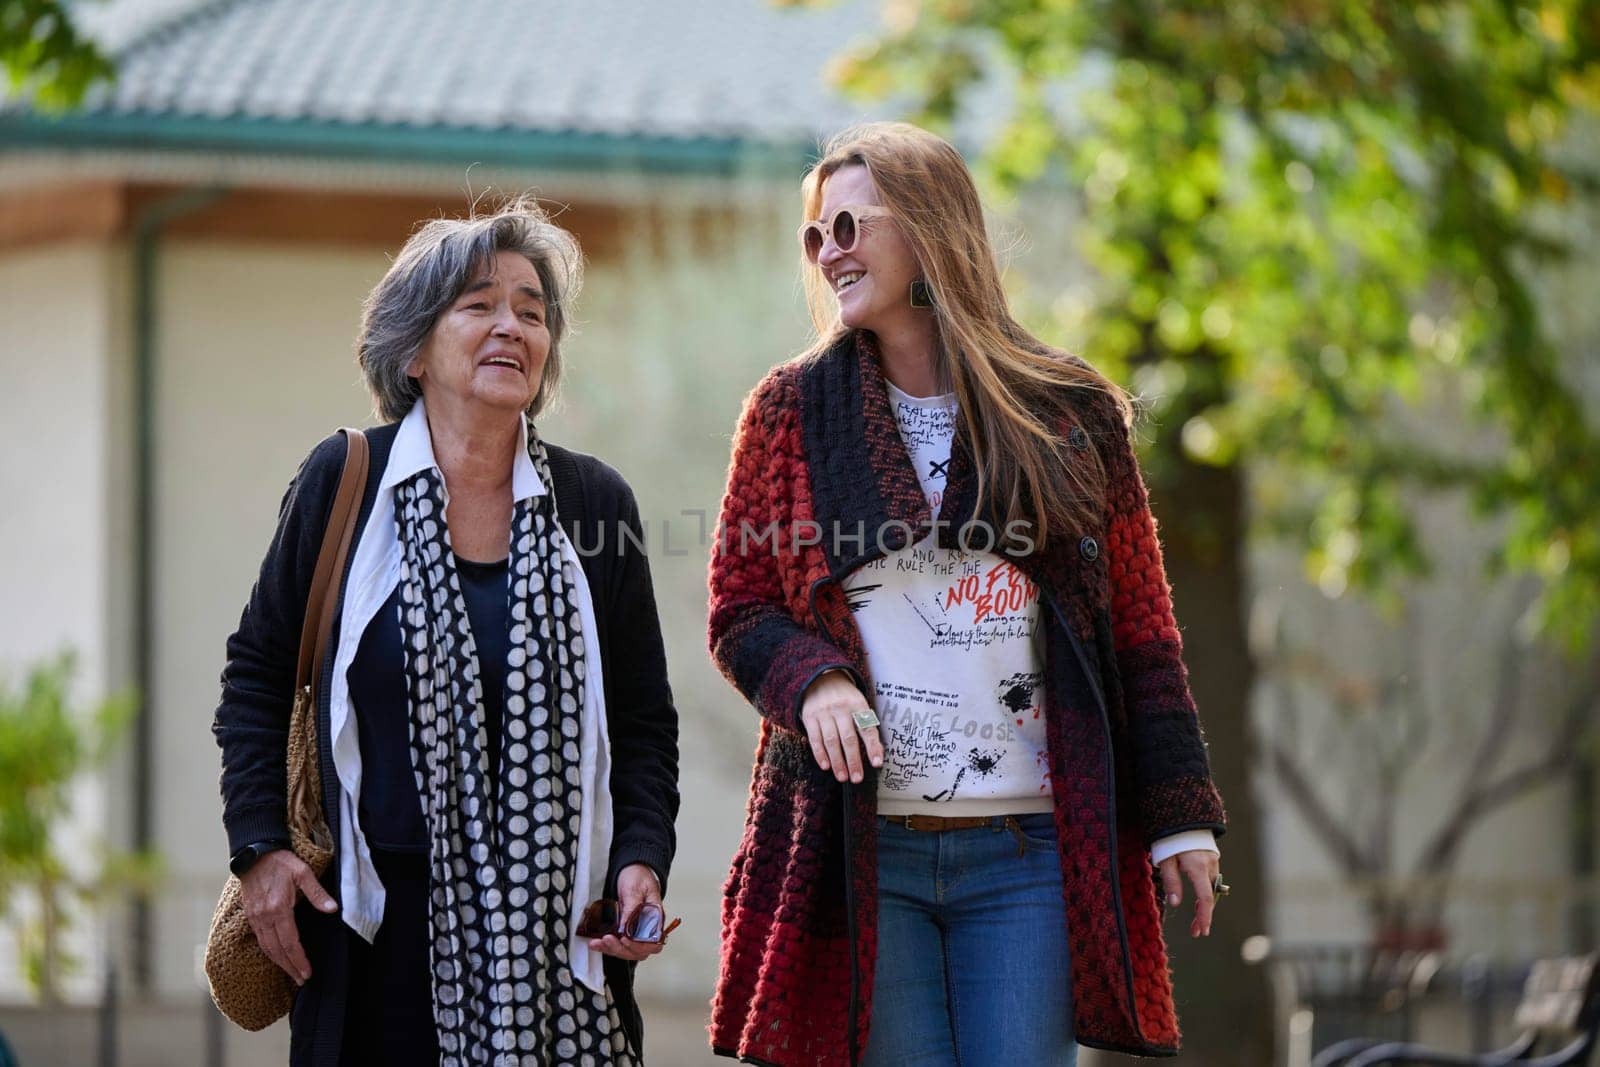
636	885
1201	867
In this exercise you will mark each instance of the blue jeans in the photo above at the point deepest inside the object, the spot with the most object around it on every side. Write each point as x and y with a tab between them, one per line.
973	967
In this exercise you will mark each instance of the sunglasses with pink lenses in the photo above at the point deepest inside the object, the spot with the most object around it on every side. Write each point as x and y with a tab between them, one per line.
844	226
647	923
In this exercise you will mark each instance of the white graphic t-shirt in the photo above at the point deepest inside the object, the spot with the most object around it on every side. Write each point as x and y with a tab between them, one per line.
951	640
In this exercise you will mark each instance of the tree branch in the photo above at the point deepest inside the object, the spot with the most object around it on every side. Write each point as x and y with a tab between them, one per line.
1438	853
1491	746
1483	796
1297	787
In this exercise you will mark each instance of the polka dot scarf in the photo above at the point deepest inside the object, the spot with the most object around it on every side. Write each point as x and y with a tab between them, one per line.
500	875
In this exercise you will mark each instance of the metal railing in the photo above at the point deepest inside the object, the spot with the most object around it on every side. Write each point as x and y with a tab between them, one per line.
1339	970
1508	918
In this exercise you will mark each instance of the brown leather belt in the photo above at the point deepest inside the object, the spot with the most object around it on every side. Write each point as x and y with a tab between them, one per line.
940	823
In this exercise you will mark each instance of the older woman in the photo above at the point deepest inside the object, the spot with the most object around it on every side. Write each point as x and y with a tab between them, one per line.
977	735
497	762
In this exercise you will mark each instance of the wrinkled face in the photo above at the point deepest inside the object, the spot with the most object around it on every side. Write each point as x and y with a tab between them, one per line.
872	281
489	346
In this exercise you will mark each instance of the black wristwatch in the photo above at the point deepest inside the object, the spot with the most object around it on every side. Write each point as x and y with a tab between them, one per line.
246	857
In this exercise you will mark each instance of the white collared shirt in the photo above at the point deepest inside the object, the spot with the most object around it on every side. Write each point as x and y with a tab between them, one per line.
374	573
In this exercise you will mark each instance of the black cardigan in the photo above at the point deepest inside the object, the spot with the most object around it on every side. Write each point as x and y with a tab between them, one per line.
251	723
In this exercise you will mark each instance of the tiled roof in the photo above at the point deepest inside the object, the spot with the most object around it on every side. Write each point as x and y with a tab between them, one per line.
743	70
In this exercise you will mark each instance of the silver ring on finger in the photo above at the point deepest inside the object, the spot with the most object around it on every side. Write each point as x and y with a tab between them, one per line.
865	718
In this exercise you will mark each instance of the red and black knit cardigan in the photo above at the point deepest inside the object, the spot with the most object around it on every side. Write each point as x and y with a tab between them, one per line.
818	454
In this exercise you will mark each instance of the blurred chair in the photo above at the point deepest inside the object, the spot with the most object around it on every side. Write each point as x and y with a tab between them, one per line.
1328	992
1559	1017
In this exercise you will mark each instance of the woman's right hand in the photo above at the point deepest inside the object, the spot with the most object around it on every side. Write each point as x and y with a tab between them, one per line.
828	714
268	891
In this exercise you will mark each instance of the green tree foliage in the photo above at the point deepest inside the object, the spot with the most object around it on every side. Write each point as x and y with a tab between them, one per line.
1315	229
47	61
45	745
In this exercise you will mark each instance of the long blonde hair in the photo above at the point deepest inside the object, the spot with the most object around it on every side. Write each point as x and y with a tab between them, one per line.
1015	392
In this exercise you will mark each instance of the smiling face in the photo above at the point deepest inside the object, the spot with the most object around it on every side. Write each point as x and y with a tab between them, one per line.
489	346
872	281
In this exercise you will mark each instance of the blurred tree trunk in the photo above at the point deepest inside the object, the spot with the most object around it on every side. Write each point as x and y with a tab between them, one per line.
1223	1003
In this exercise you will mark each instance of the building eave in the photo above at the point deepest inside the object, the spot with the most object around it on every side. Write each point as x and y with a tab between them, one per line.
563	151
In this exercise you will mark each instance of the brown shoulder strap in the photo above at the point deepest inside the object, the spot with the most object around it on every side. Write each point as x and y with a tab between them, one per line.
330	560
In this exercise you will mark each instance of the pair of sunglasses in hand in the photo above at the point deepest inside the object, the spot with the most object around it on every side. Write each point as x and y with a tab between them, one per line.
647	924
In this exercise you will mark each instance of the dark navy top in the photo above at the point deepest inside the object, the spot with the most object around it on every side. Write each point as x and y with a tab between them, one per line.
391	995
390	806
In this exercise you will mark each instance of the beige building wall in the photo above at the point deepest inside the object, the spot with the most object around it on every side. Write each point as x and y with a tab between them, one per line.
63	467
1510	882
254	368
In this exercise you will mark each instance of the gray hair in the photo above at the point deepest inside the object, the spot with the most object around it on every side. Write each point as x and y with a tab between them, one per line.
437	263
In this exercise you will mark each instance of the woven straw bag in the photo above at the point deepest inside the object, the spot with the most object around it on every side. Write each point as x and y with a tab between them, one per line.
246	985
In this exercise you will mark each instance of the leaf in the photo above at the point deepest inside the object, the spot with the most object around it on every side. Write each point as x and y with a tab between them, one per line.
46	741
48	63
